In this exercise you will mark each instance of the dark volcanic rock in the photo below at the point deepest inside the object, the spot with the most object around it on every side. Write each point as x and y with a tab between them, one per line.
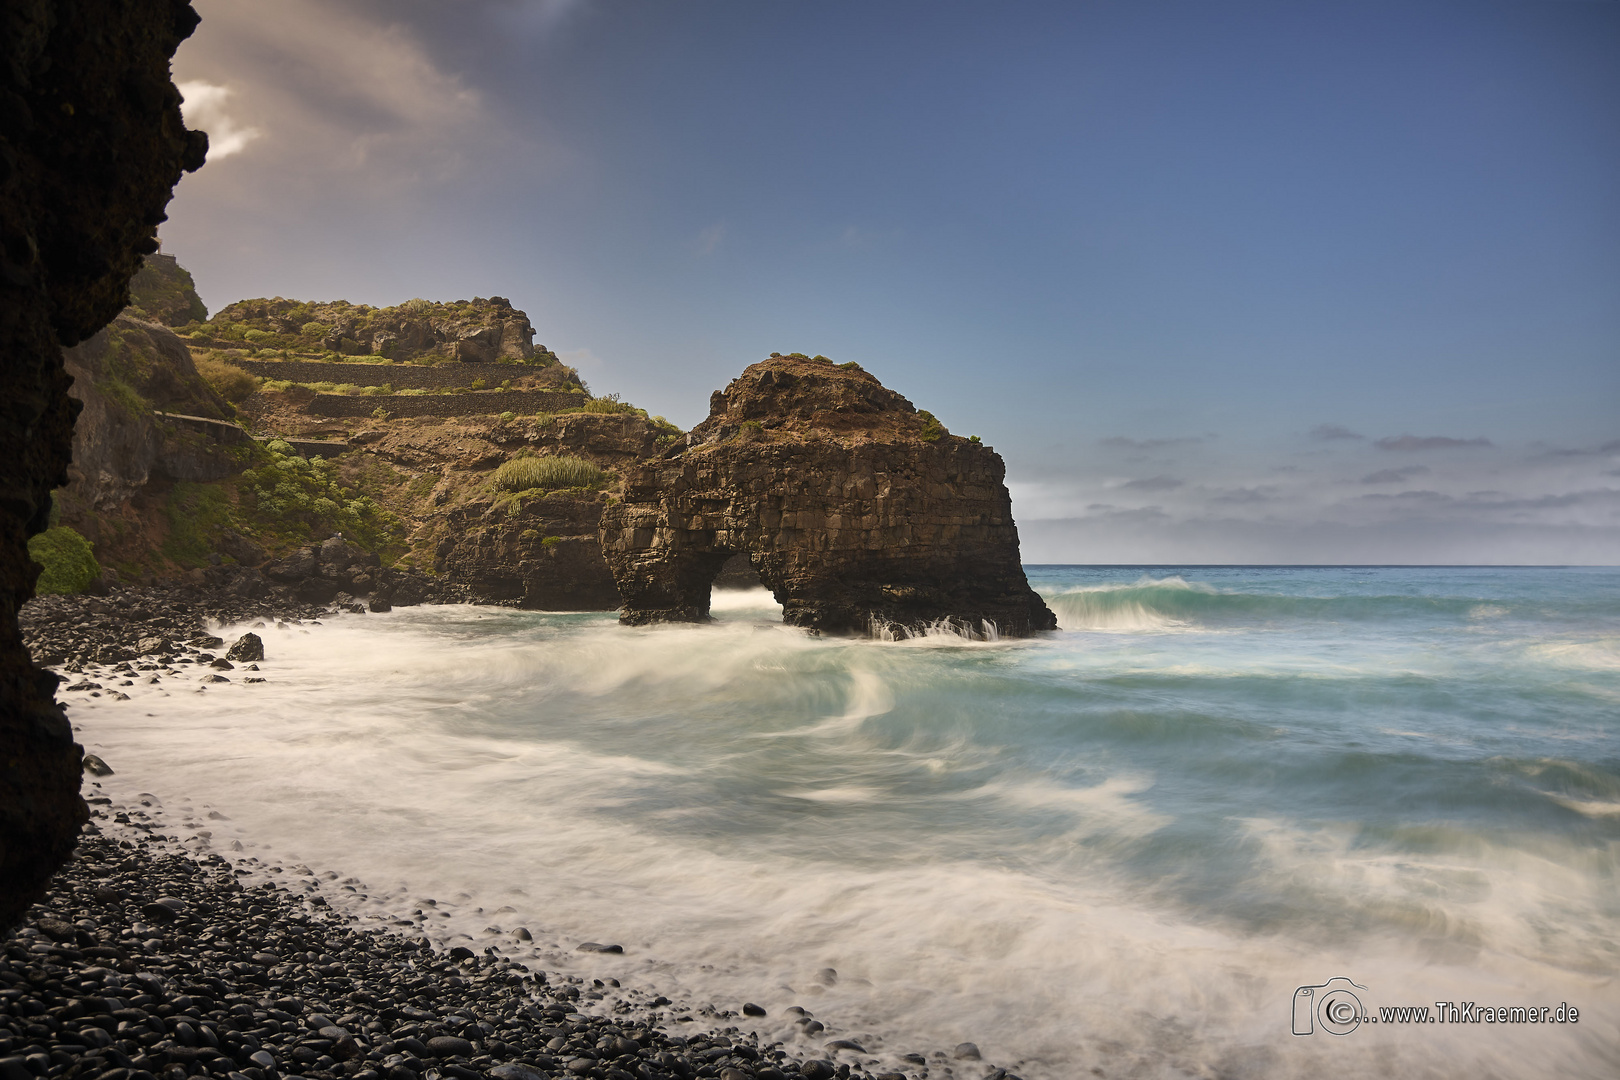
91	145
857	511
538	552
144	960
248	648
544	550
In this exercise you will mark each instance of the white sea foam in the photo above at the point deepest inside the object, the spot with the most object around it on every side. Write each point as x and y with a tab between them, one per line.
1601	654
742	805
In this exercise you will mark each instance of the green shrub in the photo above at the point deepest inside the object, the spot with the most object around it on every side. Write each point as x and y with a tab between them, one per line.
229	382
825	360
508	416
546	473
551	541
932	428
69	562
973	439
292	494
379	413
313	329
609	404
479	383
256	335
851	366
528	535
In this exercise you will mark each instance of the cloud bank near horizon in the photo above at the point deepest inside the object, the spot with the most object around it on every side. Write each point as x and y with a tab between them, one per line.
1534	504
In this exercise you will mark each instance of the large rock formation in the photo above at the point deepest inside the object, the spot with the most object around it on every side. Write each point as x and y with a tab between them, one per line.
859	512
91	145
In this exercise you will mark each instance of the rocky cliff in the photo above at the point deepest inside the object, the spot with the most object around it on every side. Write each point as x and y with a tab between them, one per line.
121	375
163	292
859	512
477	330
541	548
91	146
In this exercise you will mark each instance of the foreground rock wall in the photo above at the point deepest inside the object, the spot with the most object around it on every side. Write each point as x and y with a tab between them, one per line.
91	145
857	511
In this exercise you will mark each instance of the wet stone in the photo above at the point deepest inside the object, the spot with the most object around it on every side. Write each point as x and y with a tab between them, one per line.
449	1046
179	964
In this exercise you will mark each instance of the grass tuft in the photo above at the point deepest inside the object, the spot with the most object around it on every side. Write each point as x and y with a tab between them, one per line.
547	473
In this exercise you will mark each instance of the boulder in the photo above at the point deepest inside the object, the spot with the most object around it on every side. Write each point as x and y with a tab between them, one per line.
293	568
248	648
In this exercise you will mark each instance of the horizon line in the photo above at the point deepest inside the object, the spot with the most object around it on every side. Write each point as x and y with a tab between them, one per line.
1334	566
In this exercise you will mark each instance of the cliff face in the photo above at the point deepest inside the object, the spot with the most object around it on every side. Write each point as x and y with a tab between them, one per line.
120	375
91	145
543	550
540	552
857	511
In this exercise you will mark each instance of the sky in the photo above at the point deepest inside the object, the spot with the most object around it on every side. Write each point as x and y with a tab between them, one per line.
1222	282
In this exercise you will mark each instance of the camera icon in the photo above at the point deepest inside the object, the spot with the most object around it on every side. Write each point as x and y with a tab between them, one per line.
1332	1006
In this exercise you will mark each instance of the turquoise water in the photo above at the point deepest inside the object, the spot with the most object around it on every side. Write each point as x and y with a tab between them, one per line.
1122	846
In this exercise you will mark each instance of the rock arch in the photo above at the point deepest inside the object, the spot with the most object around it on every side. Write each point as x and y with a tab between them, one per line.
858	512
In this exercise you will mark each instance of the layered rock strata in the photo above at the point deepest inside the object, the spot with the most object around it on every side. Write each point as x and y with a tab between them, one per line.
860	513
542	550
540	553
91	145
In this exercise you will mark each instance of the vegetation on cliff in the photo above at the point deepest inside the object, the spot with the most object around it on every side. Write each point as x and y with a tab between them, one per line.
67	562
162	291
139	367
419	331
549	473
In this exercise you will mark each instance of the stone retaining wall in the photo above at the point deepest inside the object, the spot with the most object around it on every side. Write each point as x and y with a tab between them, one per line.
399	376
312	447
221	431
478	403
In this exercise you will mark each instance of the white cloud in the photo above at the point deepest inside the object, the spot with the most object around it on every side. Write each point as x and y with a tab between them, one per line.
326	92
204	106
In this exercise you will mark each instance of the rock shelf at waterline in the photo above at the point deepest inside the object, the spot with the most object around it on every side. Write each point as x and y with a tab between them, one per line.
154	957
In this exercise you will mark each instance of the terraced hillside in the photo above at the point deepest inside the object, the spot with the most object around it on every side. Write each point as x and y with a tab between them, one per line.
389	425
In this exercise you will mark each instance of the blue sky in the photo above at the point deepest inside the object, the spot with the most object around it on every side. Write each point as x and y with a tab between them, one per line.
1223	282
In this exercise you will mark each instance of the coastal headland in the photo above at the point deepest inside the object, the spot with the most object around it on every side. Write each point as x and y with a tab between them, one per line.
203	483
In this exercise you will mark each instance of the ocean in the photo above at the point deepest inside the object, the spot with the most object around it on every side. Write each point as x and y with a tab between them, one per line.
1142	846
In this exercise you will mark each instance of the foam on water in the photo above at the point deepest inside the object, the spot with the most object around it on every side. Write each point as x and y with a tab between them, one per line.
1121	850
